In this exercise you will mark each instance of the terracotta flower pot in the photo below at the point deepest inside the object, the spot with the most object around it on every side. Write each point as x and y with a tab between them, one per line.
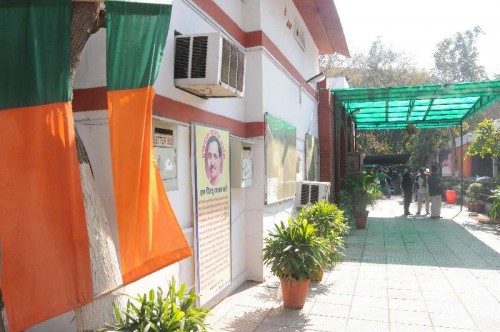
480	207
294	292
361	219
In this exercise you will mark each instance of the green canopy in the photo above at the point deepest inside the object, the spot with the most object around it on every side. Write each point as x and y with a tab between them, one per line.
423	106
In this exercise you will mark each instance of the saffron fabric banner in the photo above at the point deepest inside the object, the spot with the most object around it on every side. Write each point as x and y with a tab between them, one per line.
213	211
45	251
149	233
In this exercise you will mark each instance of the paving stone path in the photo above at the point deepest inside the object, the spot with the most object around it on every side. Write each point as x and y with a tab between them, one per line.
399	274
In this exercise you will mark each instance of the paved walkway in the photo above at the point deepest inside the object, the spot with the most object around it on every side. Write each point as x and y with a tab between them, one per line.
400	274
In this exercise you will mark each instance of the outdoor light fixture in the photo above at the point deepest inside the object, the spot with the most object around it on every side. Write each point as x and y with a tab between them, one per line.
316	78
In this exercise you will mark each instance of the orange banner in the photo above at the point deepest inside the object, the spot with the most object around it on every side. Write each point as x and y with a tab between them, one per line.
150	236
45	251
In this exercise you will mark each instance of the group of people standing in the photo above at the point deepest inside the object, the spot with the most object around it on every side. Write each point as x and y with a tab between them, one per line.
429	190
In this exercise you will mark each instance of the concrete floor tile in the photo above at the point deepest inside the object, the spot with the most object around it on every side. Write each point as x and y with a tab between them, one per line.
407	304
370	302
409	317
405	294
398	327
335	298
322	323
330	309
372	314
369	291
357	325
274	328
456	308
286	318
401	284
452	320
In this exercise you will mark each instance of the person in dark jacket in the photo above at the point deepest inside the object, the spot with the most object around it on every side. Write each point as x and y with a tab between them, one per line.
435	191
407	187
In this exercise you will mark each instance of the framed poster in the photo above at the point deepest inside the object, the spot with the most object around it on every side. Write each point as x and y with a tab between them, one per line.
212	211
280	152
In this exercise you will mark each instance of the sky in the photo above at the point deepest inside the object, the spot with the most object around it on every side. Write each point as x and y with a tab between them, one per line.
415	27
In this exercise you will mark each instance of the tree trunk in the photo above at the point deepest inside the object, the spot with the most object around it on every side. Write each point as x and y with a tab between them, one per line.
105	268
87	18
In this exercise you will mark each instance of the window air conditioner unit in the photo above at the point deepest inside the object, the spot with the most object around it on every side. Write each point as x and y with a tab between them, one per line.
309	192
209	65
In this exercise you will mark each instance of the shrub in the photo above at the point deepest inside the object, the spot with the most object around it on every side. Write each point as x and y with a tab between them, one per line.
175	312
330	224
295	251
495	209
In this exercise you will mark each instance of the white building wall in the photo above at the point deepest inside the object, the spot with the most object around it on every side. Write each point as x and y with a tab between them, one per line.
269	87
274	24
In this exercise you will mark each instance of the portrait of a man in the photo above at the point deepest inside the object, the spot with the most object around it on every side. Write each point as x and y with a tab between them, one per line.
213	160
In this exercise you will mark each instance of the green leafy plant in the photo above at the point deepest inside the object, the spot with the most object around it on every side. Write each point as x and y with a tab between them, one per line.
473	192
486	140
295	251
495	209
363	190
174	312
330	224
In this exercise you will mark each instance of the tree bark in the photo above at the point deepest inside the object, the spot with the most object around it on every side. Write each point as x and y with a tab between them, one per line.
87	18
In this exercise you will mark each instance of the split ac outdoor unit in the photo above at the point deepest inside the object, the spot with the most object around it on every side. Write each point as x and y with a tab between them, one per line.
309	192
208	65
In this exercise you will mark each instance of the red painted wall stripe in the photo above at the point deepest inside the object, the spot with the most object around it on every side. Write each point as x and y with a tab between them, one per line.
94	99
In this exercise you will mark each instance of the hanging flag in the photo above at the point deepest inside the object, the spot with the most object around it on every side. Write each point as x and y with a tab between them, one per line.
45	253
149	233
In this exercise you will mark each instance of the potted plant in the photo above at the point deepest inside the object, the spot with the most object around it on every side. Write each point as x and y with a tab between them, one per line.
156	311
331	225
364	192
473	194
294	252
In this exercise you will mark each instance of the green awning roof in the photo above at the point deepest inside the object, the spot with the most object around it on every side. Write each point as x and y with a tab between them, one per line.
423	106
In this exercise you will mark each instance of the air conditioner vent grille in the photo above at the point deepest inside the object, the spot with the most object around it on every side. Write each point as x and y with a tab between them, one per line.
233	70
314	193
182	57
199	57
241	70
226	59
304	194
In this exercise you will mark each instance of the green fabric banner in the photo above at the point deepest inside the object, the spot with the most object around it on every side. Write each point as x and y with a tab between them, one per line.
136	37
37	73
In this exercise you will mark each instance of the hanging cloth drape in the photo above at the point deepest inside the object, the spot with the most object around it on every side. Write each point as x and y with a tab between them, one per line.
149	233
44	259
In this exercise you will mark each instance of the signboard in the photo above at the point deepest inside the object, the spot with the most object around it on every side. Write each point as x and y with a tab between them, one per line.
213	211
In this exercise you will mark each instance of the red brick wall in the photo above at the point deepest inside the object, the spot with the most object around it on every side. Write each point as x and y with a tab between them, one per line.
325	129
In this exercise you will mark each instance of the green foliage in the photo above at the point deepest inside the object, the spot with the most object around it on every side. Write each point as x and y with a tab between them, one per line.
486	140
330	224
495	209
456	59
295	251
473	192
424	145
363	190
175	312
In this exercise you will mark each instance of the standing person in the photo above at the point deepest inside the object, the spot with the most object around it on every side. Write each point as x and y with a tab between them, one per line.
396	182
435	192
388	172
382	178
407	186
422	190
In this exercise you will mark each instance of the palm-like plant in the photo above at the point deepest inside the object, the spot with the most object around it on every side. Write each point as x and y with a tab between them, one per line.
330	224
175	312
295	251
